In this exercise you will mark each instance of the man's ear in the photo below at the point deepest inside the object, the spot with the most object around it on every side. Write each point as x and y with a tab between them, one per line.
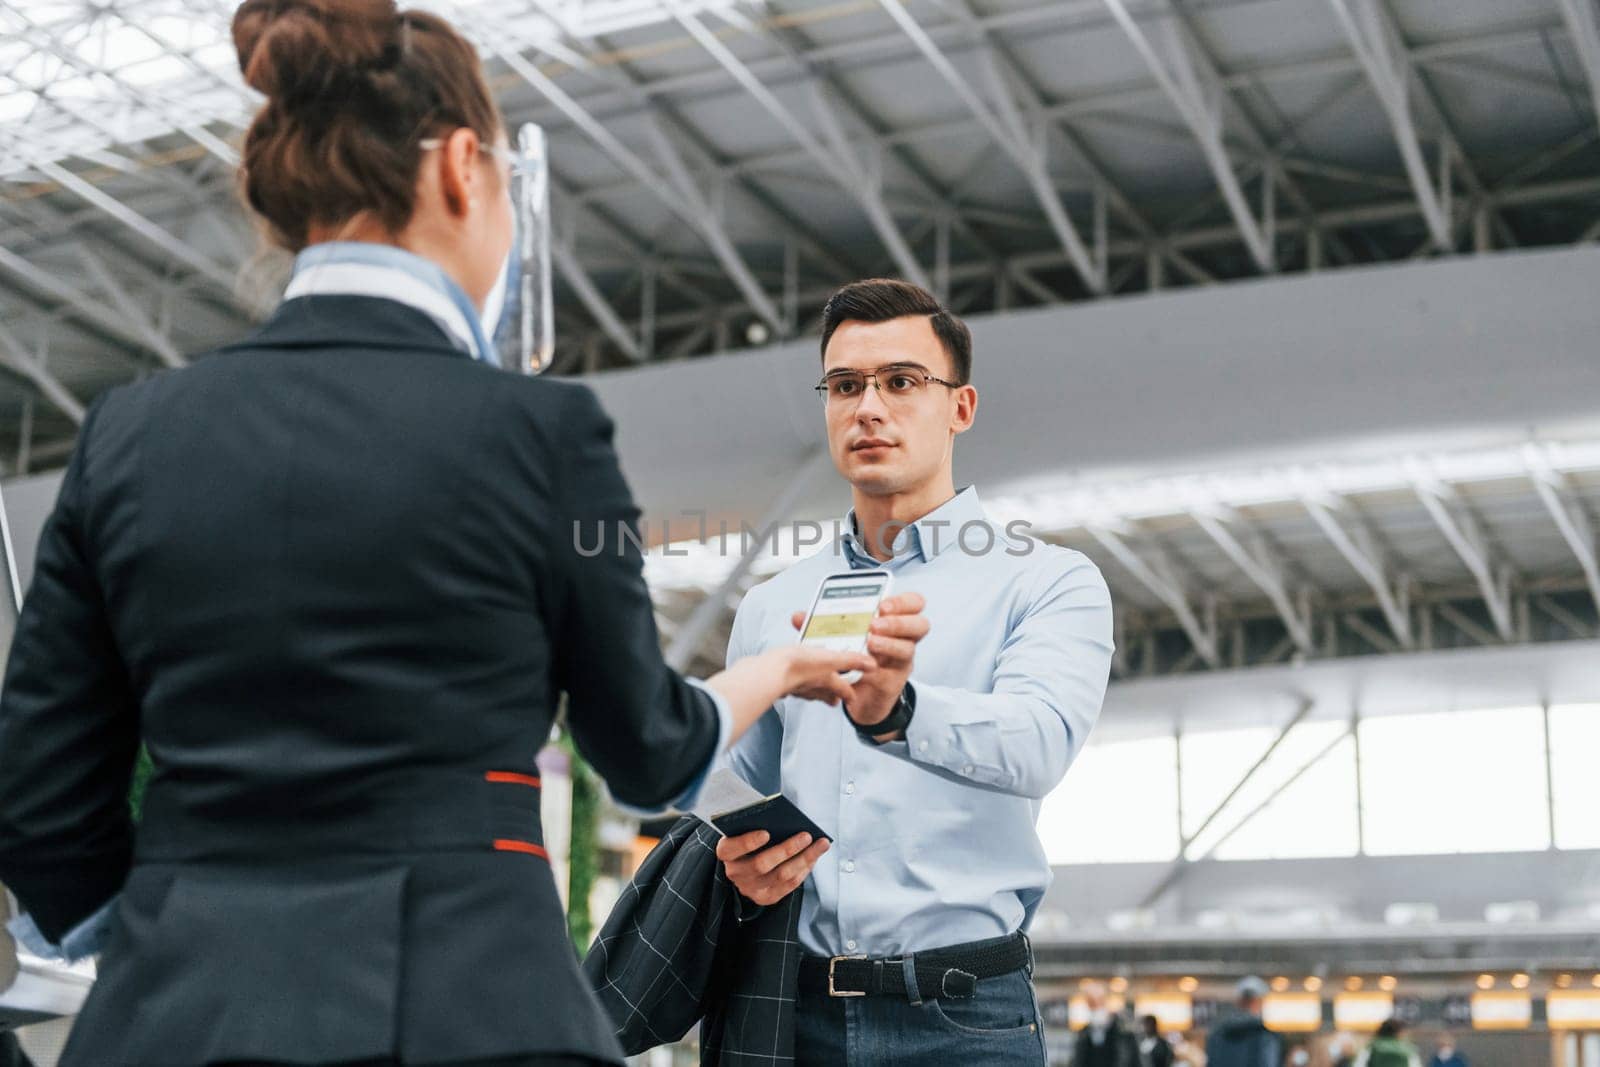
966	409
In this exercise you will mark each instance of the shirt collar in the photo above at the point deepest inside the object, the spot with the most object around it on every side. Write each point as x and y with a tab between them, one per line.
362	268
929	536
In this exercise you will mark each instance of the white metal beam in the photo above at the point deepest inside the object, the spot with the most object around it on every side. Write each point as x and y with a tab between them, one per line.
636	250
1361	550
174	247
1205	237
87	308
1176	871
1053	17
878	145
1199	102
137	316
1006	131
15	356
1002	63
1263	564
1471	543
676	189
589	295
1583	24
1160	576
45	41
836	158
1555	491
1283	787
1384	60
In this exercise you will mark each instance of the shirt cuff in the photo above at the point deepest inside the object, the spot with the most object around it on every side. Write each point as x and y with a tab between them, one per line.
86	939
948	732
691	795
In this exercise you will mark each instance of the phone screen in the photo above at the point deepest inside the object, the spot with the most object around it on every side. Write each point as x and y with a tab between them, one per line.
842	615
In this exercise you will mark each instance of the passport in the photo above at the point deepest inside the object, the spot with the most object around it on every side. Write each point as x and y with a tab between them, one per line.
734	808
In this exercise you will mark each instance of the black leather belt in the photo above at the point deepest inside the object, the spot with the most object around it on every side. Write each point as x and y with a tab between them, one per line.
953	971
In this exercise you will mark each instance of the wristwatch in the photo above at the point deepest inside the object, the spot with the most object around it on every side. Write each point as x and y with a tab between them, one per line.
895	722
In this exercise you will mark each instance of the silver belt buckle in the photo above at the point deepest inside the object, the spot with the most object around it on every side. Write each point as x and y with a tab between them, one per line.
832	992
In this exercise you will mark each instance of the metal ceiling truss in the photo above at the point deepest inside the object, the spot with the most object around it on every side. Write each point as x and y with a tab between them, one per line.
15	357
643	297
1001	118
1195	88
1377	45
1583	25
1195	623
1211	238
857	176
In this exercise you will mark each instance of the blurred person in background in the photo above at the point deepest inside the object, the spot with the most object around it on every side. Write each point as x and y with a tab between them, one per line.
1389	1048
1446	1054
1342	1051
1154	1050
1186	1050
1242	1039
1104	1042
1298	1055
329	577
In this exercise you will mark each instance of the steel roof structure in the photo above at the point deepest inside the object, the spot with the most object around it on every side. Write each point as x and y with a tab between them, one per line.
719	167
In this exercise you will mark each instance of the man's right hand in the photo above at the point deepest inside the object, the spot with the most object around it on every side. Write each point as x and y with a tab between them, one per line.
767	875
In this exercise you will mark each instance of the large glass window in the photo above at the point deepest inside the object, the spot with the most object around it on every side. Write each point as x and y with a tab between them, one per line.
1117	804
1574	749
1462	781
1301	802
1467	781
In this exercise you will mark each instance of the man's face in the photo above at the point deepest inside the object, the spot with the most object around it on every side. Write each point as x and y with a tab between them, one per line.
885	443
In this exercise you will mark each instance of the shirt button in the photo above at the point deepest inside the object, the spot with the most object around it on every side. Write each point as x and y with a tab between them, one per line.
849	789
850	946
922	746
967	769
849	866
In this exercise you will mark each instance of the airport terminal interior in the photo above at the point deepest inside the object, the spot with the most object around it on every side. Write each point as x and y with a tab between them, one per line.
1284	314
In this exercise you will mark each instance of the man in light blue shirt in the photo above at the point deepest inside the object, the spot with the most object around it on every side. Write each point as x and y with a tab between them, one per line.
992	656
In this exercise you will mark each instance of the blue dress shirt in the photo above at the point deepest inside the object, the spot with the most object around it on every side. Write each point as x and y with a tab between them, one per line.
934	836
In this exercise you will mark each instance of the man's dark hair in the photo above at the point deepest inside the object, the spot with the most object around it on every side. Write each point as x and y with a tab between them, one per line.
883	299
1390	1028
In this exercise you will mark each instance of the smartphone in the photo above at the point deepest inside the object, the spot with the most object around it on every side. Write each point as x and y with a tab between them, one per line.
841	614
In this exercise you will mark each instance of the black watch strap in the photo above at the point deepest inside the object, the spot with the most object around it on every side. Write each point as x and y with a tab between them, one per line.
896	721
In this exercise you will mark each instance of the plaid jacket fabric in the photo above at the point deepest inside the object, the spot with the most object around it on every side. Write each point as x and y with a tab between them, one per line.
681	947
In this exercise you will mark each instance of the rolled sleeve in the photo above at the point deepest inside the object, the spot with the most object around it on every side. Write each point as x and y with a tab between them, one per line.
1049	682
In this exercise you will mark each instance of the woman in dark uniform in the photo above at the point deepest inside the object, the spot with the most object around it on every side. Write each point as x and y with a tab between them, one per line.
334	577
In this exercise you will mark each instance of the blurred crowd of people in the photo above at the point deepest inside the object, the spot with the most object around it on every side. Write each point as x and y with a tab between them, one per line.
1242	1039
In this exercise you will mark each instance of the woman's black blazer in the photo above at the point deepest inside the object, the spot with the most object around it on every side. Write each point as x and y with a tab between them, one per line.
334	577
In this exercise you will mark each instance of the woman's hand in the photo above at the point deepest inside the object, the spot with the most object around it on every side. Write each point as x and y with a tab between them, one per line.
818	673
755	683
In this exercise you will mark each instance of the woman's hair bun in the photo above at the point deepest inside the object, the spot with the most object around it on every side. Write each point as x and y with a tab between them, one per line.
352	88
293	50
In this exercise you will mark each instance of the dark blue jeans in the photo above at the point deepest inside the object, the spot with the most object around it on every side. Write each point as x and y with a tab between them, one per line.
998	1026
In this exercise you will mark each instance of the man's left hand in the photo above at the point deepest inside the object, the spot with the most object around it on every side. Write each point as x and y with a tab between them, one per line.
896	629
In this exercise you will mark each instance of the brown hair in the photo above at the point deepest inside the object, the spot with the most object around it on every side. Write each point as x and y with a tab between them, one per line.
351	87
883	299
